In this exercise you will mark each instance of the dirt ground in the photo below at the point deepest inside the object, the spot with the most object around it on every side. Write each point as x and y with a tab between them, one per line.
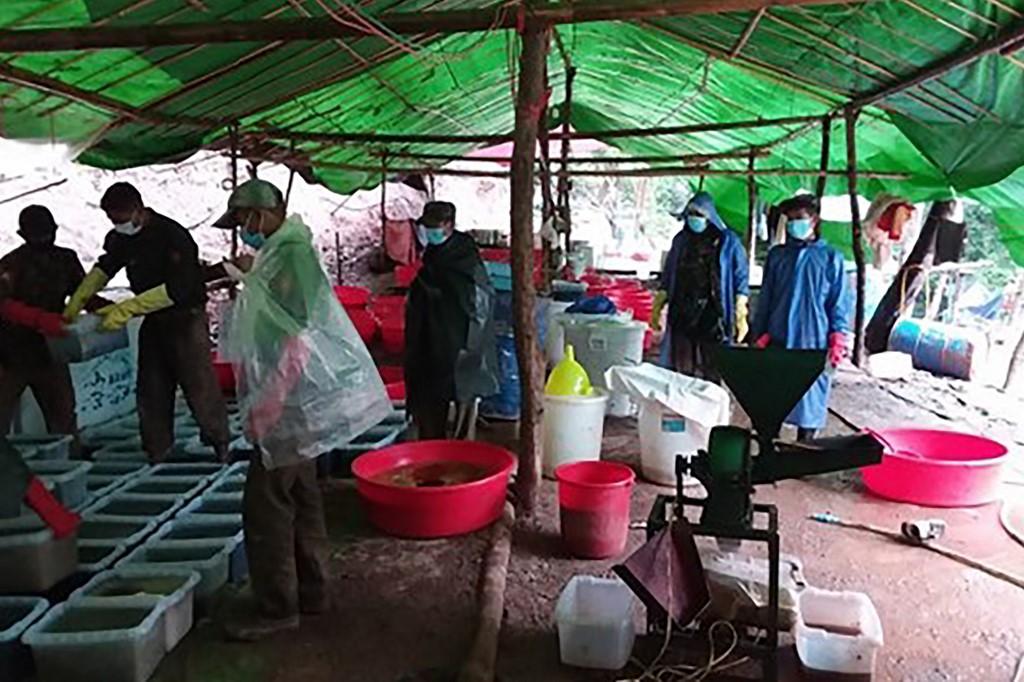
408	607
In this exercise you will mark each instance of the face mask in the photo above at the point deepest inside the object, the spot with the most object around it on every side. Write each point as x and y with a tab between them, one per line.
254	240
697	223
800	228
436	235
128	228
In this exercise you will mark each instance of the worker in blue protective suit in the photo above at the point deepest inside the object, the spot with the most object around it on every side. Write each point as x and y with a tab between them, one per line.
705	284
804	304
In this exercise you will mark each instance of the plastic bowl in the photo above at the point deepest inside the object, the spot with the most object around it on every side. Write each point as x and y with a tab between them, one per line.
937	468
412	512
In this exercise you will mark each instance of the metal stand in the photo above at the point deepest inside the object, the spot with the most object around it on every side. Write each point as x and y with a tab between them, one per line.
759	641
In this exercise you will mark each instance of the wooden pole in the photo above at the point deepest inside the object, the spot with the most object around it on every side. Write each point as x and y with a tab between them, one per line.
234	183
479	665
383	203
751	213
581	160
748	33
530	96
858	244
72	38
826	143
547	211
564	183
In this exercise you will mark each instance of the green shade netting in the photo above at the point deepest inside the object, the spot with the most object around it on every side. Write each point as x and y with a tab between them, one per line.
960	134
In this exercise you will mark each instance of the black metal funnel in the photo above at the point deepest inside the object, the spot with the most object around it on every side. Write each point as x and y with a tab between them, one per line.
768	382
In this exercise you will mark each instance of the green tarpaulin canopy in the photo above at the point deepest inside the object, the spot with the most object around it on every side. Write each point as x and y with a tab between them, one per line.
961	133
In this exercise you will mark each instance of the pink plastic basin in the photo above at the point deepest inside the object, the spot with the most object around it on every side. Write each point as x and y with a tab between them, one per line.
937	468
434	512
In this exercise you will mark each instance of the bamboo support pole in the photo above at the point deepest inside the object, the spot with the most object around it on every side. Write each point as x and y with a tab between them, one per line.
751	213
564	183
384	202
234	182
748	33
826	145
855	226
530	94
580	160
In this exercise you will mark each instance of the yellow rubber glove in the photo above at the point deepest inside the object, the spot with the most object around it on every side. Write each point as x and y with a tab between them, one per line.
660	299
90	286
742	313
117	316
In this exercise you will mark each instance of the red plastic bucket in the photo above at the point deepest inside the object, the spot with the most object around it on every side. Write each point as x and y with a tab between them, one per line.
396	391
392	336
388	308
936	468
434	512
365	324
593	499
352	297
391	373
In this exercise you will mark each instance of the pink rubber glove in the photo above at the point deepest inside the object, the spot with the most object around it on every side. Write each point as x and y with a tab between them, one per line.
836	348
763	341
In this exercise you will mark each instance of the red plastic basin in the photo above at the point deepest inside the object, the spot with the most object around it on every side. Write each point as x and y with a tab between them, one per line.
388	307
937	468
593	504
391	373
392	336
365	323
395	390
352	297
434	512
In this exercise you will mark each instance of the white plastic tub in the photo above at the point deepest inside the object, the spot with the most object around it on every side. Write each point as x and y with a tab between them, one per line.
837	632
594	617
208	558
33	561
573	429
603	344
94	643
68	479
16	615
44	446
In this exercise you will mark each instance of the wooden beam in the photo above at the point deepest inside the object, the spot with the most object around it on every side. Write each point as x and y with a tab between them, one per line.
564	183
751	215
855	226
71	38
586	160
529	105
703	171
748	32
492	139
1012	34
826	145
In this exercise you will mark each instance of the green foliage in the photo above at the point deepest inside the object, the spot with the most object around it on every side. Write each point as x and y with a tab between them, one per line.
984	243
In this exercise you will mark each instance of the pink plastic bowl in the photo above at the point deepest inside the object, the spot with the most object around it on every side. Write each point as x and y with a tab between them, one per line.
937	468
434	512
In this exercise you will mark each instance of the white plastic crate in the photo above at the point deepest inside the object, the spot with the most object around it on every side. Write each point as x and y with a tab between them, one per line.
185	487
44	446
124	530
98	555
209	558
33	561
124	505
191	527
837	632
68	478
16	615
594	617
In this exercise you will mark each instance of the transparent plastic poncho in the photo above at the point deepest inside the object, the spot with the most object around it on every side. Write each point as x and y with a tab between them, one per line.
306	383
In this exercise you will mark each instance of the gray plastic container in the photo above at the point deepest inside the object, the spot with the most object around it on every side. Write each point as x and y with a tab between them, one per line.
208	558
43	446
85	340
211	504
33	561
68	478
128	469
229	529
123	505
208	470
232	485
122	451
95	556
16	615
79	642
185	487
124	530
175	590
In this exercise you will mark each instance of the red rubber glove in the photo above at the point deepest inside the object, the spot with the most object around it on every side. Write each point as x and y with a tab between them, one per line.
763	341
836	348
51	324
47	324
62	522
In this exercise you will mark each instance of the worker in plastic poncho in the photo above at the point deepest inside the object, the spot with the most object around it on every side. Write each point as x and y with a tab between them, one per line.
804	303
35	280
306	385
450	353
705	284
164	272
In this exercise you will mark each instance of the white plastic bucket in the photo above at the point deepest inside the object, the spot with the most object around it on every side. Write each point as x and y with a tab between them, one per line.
594	617
573	429
603	344
663	435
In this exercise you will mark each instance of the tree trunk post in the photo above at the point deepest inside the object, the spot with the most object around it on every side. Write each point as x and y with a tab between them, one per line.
858	244
383	203
826	145
564	182
751	213
529	106
234	183
547	197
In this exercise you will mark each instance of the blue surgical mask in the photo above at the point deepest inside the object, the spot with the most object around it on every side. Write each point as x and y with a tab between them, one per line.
436	235
800	228
255	240
697	223
421	234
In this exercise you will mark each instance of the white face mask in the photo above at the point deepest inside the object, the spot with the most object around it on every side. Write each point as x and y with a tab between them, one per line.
128	228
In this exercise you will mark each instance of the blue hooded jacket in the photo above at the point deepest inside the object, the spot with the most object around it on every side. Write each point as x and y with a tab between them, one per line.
733	266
